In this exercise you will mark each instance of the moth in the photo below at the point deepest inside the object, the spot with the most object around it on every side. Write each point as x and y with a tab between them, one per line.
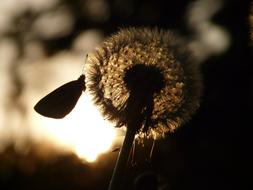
62	100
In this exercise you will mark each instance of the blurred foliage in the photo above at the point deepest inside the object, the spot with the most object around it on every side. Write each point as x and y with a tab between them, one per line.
29	24
31	170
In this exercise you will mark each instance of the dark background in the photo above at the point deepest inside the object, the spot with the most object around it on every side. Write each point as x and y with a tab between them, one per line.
212	151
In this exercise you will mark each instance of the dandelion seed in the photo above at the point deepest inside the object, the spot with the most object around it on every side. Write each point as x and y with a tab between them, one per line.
145	75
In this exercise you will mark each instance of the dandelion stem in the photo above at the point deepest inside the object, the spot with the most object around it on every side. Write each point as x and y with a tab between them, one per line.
122	160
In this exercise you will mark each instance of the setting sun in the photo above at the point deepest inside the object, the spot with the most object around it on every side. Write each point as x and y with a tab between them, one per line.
83	131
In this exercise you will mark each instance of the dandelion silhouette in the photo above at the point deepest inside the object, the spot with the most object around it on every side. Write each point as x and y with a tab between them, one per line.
143	79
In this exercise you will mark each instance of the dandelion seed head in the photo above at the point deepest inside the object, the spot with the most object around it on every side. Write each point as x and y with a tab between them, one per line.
141	61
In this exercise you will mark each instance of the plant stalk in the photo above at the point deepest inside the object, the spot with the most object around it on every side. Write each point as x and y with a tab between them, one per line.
120	166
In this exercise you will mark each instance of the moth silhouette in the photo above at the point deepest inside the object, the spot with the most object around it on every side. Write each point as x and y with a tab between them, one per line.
62	100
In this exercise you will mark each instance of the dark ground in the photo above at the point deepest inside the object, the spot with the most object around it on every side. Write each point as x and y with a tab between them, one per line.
211	152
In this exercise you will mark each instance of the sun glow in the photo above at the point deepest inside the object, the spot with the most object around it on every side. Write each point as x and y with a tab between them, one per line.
84	130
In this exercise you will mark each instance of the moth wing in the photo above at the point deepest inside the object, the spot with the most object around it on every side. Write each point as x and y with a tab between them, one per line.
61	101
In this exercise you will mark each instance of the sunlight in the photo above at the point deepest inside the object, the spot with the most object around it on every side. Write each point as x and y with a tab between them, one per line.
84	130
